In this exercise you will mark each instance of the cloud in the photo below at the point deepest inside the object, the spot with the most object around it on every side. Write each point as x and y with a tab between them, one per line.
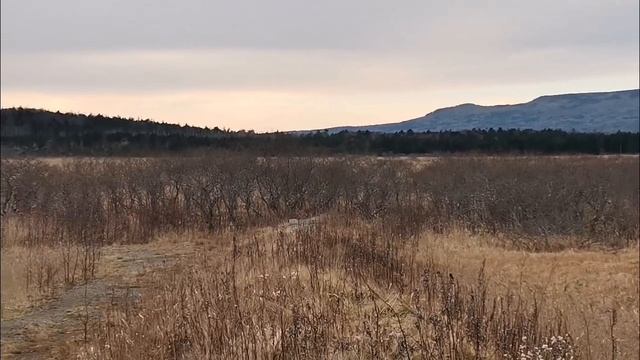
412	25
361	60
337	72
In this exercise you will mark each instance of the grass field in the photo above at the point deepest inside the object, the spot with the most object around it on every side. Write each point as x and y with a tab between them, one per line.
236	257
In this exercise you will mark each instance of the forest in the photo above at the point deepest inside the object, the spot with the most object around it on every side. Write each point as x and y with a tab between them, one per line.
44	133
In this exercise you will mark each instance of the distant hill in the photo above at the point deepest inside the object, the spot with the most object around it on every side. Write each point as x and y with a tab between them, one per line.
602	112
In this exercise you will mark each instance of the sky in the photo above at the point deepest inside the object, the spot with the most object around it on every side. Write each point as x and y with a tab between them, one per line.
292	64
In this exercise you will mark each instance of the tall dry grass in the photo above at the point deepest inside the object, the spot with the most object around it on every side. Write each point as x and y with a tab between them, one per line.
38	272
29	276
446	260
587	284
346	290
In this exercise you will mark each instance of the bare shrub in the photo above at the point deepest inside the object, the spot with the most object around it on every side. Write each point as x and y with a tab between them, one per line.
532	199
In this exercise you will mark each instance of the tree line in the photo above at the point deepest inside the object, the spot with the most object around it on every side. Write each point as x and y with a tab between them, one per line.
40	132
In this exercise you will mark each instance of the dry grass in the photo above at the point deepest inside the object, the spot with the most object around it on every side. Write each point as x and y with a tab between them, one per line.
33	274
586	284
348	289
30	274
341	291
457	259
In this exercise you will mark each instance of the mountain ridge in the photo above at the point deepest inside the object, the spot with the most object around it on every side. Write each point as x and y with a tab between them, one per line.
605	112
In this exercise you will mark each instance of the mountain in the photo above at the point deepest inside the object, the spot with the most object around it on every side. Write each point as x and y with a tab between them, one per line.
605	112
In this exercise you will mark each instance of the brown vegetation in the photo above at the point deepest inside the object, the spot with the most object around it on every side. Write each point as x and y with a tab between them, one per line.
128	201
349	289
448	260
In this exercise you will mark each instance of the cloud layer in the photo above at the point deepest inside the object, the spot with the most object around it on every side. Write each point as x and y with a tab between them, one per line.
403	58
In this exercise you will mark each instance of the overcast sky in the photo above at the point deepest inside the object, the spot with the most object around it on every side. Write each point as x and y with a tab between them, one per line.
293	64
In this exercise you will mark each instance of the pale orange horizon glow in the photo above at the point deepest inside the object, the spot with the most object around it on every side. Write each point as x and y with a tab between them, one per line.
268	111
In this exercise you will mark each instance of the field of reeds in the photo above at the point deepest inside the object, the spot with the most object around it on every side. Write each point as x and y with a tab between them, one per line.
347	258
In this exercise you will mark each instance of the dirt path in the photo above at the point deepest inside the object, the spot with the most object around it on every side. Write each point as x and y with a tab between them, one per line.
42	332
